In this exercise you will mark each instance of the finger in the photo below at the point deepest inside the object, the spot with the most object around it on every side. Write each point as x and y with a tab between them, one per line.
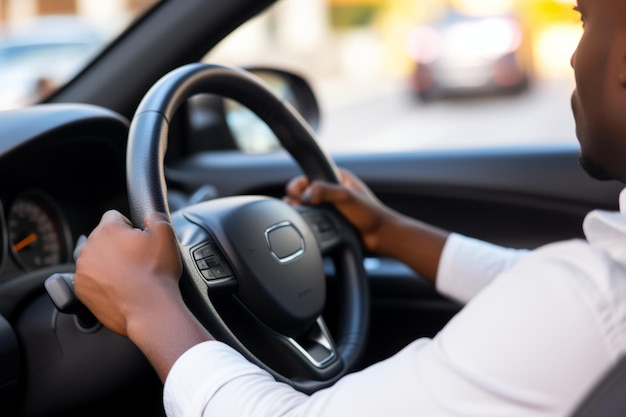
296	187
348	179
324	192
163	237
158	223
295	190
82	239
114	216
154	218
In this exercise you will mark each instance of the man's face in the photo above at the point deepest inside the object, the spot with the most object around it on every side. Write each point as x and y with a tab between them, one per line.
599	101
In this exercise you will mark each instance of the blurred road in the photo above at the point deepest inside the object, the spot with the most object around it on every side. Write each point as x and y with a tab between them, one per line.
389	118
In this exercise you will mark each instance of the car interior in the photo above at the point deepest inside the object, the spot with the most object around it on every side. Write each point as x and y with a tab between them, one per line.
152	123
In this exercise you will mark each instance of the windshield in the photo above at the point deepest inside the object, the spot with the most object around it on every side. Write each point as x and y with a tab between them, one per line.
395	75
44	43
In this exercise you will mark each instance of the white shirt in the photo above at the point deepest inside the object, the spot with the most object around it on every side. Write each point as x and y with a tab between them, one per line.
539	328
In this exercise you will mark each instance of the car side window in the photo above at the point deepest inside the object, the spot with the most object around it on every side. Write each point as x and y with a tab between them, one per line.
43	47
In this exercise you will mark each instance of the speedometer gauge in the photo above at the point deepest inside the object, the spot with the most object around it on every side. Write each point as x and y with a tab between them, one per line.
38	236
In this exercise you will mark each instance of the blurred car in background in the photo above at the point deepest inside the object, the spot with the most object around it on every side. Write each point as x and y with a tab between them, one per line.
464	54
40	54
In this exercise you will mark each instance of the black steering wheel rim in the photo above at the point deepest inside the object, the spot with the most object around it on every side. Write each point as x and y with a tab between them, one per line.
147	192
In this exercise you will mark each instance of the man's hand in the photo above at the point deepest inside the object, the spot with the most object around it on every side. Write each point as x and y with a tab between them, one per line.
123	271
352	198
129	278
384	232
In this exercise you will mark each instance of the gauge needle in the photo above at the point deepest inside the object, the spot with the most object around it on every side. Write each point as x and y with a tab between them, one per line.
25	242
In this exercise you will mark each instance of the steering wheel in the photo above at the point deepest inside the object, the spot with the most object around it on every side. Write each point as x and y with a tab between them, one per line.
253	265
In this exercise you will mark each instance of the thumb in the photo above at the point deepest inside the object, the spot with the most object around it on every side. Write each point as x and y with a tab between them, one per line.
155	218
158	223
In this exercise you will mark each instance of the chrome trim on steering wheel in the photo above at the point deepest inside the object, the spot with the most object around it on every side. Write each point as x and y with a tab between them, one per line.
318	338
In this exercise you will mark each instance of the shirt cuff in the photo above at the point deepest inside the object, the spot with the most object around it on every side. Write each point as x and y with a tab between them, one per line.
467	265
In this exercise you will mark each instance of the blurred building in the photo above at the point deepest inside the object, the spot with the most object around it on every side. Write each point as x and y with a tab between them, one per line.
93	9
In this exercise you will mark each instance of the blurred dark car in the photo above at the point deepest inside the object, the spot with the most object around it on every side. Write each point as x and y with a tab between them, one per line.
469	54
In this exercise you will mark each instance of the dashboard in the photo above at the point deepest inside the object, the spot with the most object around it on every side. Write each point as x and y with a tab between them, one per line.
61	167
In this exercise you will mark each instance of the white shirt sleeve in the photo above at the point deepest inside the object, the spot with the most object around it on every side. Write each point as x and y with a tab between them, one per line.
531	343
212	379
467	265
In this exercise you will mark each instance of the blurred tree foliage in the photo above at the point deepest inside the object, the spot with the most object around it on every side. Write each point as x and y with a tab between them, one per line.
351	15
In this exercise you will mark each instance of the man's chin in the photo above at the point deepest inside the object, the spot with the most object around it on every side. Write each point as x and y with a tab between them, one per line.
595	171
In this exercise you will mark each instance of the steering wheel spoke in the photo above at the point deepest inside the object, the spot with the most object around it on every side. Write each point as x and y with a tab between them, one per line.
317	345
326	224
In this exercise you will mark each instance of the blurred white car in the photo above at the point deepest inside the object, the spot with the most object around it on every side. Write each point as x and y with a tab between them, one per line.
468	54
41	54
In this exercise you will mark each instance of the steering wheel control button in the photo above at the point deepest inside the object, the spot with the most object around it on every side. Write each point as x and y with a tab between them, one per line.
322	226
284	241
210	263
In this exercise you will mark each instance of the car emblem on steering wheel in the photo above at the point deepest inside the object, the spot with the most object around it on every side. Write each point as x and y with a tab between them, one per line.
284	242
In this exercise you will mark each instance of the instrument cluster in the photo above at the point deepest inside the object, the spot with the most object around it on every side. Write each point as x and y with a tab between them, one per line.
38	234
39	228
